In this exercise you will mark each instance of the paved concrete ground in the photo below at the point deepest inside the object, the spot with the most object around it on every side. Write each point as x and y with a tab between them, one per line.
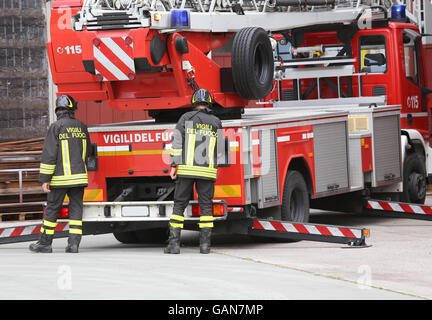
399	258
396	266
106	269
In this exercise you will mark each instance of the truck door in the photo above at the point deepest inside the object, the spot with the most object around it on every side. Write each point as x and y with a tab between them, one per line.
414	104
376	80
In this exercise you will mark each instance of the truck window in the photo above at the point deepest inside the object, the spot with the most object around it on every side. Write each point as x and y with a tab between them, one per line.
411	69
413	58
373	54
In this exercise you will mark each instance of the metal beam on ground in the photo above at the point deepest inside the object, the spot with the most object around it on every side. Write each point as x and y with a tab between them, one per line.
307	231
399	209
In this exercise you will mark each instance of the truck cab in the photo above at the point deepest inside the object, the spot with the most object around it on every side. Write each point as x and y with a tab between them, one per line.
387	60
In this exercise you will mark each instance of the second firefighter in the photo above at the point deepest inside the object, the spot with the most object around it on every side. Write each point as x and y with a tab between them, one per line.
193	160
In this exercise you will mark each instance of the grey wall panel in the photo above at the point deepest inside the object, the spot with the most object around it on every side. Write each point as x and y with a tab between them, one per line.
23	70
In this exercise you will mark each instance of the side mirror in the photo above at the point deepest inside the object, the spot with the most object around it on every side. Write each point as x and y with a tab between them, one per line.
374	59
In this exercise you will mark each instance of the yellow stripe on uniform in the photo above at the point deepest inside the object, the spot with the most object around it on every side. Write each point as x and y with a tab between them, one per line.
177	217
208	222
84	146
198	168
49	224
176	225
196	173
70	177
48	231
84	153
47	168
69	183
76	231
176	152
66	159
75	222
191	150
206	218
46	171
206	225
211	151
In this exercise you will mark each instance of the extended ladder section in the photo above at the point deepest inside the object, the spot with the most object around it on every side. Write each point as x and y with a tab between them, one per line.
233	15
215	15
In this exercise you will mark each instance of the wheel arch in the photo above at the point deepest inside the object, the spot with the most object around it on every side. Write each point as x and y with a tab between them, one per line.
414	142
299	163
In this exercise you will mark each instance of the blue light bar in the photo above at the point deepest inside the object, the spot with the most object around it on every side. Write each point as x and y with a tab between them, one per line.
398	12
180	19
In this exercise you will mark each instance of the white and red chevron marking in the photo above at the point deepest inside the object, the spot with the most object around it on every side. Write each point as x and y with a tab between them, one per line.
114	59
31	229
307	229
399	207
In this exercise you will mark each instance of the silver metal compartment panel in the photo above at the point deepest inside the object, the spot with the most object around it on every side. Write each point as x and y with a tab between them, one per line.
268	183
387	151
331	158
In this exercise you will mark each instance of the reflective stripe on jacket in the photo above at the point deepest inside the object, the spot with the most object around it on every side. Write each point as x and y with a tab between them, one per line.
65	152
195	144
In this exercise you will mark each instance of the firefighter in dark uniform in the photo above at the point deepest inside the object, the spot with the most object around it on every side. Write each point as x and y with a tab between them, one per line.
63	171
193	158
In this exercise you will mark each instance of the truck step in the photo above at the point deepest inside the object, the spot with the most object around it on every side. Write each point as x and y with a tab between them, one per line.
313	232
399	209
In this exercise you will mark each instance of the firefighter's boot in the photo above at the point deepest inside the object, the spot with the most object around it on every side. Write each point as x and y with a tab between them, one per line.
205	235
73	243
43	245
173	241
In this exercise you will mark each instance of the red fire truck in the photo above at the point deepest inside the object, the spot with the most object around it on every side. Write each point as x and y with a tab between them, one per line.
341	91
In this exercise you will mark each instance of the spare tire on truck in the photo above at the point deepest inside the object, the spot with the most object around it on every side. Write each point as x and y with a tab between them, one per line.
252	63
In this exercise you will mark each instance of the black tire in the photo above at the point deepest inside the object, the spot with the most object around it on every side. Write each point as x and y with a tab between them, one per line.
159	235
414	179
295	198
252	63
126	237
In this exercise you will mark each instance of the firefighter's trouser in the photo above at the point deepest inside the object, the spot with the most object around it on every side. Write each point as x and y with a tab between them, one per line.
54	203
182	195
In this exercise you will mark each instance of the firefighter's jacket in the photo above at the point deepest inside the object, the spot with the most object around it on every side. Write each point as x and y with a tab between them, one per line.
195	144
65	152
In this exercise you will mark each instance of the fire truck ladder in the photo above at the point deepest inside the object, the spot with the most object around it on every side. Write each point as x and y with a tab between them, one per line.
215	15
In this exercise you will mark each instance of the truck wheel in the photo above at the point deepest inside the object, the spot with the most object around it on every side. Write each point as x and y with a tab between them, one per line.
295	198
252	63
159	235
126	237
414	179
